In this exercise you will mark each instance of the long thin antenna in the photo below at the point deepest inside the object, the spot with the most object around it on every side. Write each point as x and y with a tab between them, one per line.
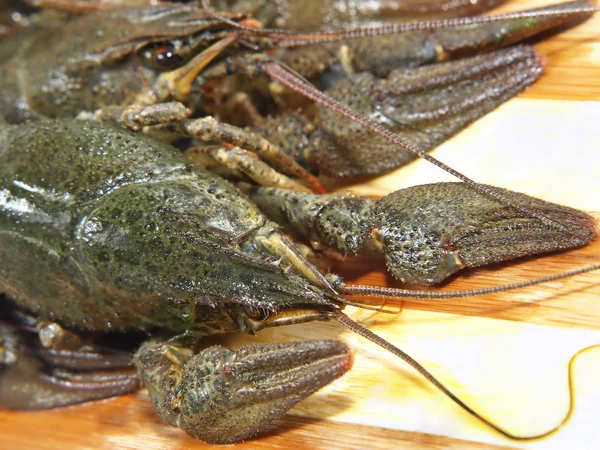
288	38
376	291
284	38
364	332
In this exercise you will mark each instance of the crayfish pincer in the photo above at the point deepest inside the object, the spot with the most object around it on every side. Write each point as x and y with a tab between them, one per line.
427	232
105	231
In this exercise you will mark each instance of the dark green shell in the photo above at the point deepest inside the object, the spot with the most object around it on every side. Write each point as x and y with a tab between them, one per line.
101	229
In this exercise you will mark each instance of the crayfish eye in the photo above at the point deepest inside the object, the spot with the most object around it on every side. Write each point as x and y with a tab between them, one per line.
256	314
160	57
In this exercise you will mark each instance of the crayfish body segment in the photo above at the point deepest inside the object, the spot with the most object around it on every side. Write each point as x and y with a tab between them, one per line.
312	15
127	207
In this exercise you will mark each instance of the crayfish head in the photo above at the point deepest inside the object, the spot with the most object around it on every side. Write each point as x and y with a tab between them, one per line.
172	241
120	57
430	232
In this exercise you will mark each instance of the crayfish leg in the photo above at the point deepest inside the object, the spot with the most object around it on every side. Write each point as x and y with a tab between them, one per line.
209	129
222	396
338	221
238	159
34	378
168	121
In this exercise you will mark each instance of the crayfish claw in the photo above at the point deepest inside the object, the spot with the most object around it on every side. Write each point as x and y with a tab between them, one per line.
223	396
431	231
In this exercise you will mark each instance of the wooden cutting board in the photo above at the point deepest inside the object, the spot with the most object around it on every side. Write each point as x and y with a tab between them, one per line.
505	354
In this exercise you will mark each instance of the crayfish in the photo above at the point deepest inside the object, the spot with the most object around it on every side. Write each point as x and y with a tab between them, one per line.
137	237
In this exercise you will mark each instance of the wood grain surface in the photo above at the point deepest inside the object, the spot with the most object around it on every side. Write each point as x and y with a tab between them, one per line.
504	354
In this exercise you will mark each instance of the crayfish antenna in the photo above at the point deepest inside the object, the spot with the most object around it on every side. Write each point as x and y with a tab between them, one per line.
364	332
287	38
283	38
377	291
379	308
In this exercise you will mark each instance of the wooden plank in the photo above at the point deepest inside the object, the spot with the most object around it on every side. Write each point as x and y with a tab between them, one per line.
506	354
